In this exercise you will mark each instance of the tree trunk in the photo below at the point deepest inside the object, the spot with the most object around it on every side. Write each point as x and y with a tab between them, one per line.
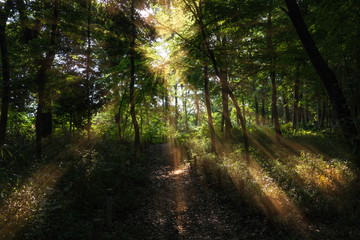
41	77
286	110
197	117
225	103
243	125
257	111
296	98
88	69
222	75
167	105
327	76
263	111
208	109
243	110
322	113
132	79
225	97
183	93
176	107
272	57
274	108
5	99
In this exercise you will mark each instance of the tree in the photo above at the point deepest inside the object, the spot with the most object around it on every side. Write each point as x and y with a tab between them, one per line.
208	109
44	66
5	98
272	65
327	76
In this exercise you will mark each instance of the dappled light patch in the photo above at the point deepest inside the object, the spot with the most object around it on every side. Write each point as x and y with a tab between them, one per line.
289	183
307	165
176	157
178	171
26	199
262	190
330	177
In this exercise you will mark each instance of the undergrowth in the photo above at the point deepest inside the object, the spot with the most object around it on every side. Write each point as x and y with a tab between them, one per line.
307	183
60	195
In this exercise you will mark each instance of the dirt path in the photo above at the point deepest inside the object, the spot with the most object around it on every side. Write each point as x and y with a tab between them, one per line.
179	207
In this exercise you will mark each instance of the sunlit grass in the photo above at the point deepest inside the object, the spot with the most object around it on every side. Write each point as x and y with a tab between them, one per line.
263	191
24	201
287	181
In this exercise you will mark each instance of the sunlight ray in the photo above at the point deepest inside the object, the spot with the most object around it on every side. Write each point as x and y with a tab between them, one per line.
21	205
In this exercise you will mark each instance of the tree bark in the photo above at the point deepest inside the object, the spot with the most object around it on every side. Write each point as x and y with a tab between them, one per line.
197	107
208	109
243	110
257	111
184	97
274	108
41	77
275	117
225	103
5	98
176	107
286	110
88	69
243	125
327	76
263	117
296	98
132	79
224	94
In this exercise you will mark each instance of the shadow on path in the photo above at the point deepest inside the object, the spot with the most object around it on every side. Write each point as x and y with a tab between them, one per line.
179	206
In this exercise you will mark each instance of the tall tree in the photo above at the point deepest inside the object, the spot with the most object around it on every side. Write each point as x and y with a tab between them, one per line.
88	67
208	109
5	98
272	60
132	75
327	76
44	66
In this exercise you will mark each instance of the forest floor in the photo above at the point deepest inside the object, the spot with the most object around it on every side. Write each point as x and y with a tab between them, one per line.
180	205
163	195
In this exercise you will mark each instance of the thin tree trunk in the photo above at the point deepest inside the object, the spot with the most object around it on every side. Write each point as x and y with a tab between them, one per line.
225	97
243	110
5	98
243	125
88	62
41	76
183	93
167	118
263	111
257	111
176	107
274	108
225	103
286	110
208	109
322	113
197	117
132	78
296	98
274	115
256	101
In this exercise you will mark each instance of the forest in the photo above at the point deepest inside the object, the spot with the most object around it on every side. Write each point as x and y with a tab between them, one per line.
179	119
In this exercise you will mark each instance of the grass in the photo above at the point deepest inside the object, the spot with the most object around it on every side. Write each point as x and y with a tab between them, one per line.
307	184
58	197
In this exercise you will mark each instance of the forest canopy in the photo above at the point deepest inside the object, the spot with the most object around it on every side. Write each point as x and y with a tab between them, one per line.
72	66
